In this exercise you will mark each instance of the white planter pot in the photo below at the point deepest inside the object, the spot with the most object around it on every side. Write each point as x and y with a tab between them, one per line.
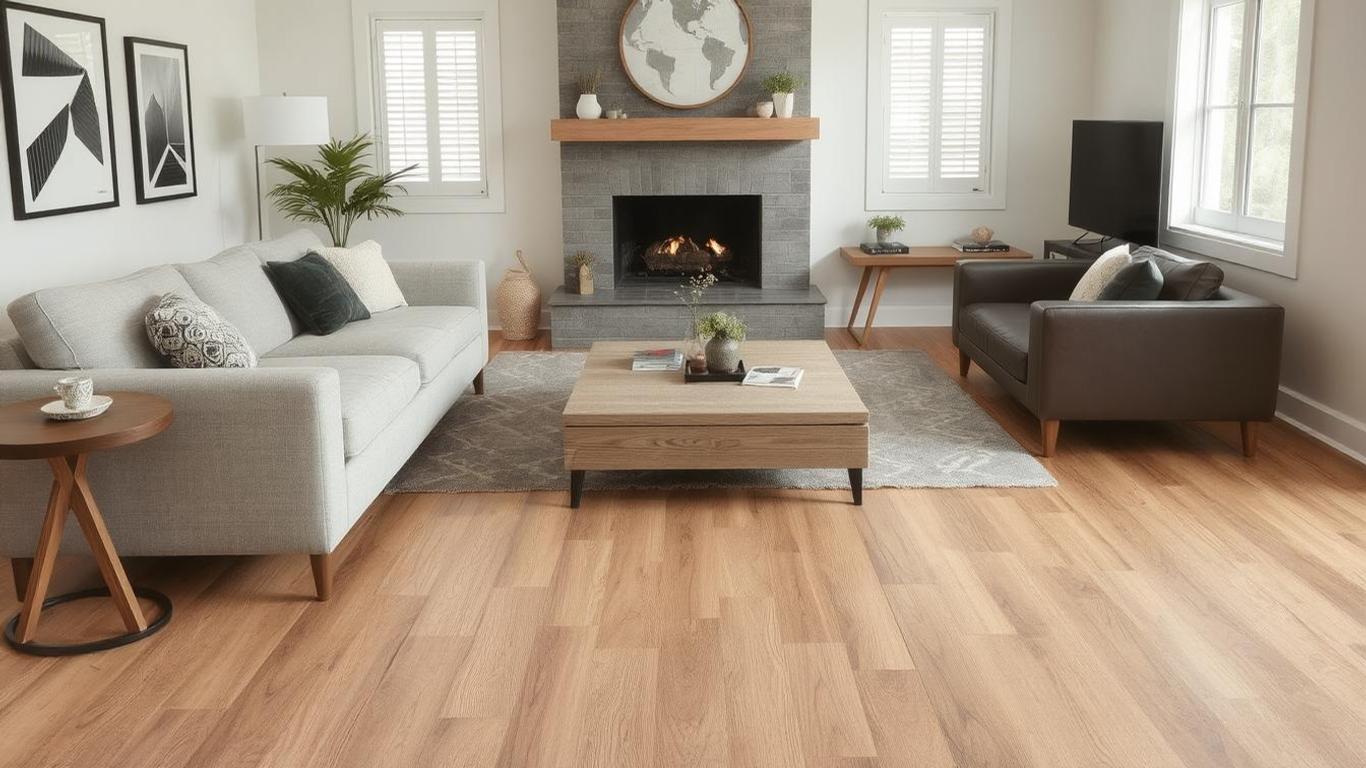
783	103
588	107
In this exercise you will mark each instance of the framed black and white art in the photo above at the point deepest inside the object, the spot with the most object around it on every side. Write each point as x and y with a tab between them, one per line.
159	109
55	73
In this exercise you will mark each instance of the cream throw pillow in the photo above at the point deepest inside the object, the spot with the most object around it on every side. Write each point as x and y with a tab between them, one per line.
364	268
1101	273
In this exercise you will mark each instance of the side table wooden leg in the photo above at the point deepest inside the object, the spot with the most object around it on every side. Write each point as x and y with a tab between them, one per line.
92	525
49	542
21	568
856	485
858	301
877	299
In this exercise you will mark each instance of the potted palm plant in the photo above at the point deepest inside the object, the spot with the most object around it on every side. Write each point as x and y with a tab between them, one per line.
783	86
724	333
339	190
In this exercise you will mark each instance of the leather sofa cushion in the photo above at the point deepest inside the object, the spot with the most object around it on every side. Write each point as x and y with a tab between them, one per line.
1002	332
1140	281
429	336
235	284
1183	279
374	391
95	325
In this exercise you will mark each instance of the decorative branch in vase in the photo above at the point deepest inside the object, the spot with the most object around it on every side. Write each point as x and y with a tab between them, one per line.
691	294
588	107
339	189
724	333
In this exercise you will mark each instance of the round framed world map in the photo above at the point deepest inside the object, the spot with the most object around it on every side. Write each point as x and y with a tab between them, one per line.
685	53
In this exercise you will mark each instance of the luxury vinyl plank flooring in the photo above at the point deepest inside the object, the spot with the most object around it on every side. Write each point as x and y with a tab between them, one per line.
1169	605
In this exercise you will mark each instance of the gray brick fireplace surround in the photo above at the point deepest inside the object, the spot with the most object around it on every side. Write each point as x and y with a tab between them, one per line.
787	305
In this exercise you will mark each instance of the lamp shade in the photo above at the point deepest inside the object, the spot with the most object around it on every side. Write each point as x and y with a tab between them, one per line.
279	121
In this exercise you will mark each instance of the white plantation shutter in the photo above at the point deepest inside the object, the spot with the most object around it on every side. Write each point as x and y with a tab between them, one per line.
429	104
936	76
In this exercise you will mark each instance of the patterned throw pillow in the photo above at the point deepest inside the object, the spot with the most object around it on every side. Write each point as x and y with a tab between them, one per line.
1101	272
368	273
190	334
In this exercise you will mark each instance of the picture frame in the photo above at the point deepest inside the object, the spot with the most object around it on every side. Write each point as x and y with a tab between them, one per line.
162	120
59	133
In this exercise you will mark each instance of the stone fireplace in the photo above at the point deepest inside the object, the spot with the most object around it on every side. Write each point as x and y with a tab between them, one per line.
752	197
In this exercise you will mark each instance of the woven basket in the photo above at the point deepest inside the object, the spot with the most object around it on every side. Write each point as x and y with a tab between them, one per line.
519	303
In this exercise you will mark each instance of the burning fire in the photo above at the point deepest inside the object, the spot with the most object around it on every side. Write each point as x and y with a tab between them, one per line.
682	253
716	247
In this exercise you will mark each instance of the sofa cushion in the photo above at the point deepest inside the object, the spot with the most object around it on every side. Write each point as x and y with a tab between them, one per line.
1100	273
234	283
1183	279
368	273
288	247
429	336
374	391
1140	281
317	294
190	334
95	325
1001	331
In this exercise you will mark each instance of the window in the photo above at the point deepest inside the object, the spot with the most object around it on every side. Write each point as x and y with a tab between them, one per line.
427	83
937	104
1237	141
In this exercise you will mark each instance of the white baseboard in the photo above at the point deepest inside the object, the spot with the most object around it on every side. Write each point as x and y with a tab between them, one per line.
1323	423
920	316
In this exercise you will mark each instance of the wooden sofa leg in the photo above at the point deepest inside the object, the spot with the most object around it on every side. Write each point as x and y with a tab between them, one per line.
964	363
21	567
479	383
1050	436
1251	431
322	575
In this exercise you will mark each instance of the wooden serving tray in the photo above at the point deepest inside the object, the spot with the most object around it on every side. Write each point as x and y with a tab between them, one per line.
705	378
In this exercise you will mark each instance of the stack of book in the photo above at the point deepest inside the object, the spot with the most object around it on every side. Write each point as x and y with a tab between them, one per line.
884	249
657	360
968	245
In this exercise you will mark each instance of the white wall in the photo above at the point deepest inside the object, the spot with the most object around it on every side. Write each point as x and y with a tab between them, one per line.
306	50
1324	370
221	35
1051	85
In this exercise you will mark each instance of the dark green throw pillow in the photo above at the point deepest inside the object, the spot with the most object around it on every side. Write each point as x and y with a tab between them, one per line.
1140	281
316	293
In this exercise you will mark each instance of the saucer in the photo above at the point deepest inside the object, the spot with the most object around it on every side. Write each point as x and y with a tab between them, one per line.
57	410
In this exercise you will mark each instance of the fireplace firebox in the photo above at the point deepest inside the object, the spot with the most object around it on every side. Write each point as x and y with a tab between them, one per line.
668	238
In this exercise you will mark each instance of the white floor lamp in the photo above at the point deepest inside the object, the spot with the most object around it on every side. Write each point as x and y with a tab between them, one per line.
282	121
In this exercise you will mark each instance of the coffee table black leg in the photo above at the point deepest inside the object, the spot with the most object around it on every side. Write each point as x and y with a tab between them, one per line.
856	485
576	487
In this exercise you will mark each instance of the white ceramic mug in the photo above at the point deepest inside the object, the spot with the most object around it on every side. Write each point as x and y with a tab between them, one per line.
75	392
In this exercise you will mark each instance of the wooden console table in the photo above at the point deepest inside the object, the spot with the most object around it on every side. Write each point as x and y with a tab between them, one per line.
920	256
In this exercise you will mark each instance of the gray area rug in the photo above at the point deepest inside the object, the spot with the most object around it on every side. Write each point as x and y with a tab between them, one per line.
926	433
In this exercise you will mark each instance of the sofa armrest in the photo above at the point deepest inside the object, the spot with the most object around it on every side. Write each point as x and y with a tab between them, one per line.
1009	281
253	463
443	283
1156	360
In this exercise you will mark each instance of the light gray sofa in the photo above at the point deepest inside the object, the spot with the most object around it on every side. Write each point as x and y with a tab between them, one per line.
283	458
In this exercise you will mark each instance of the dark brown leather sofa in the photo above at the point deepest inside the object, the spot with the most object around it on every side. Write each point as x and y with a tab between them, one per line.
1211	360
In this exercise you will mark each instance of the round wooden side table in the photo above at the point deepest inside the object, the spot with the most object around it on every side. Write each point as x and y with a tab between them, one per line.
26	434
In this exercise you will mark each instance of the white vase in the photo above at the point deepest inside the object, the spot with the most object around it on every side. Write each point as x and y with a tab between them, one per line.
588	107
783	103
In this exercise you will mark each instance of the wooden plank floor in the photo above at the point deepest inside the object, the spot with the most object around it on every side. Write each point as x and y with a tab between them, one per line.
1169	604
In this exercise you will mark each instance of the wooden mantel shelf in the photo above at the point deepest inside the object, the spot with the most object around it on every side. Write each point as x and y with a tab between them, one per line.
687	129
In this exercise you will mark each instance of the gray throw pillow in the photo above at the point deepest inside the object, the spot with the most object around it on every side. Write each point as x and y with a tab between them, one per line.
1183	279
317	294
1140	281
190	334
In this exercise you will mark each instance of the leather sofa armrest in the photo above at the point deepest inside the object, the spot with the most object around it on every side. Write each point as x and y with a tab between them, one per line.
1008	281
1158	360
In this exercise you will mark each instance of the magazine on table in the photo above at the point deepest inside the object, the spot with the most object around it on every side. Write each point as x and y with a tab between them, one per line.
657	360
781	377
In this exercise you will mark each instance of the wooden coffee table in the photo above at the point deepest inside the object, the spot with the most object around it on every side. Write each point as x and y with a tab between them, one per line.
617	419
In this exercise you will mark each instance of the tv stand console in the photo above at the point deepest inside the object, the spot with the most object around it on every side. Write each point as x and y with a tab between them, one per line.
1067	249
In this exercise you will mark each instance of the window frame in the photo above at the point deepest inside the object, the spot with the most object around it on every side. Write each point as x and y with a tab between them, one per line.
1234	237
435	197
996	127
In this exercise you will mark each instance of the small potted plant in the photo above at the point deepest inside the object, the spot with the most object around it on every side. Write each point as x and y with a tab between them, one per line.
783	86
724	333
886	227
588	107
584	261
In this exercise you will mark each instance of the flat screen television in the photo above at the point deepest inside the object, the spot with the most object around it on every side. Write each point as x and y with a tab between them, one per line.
1117	179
